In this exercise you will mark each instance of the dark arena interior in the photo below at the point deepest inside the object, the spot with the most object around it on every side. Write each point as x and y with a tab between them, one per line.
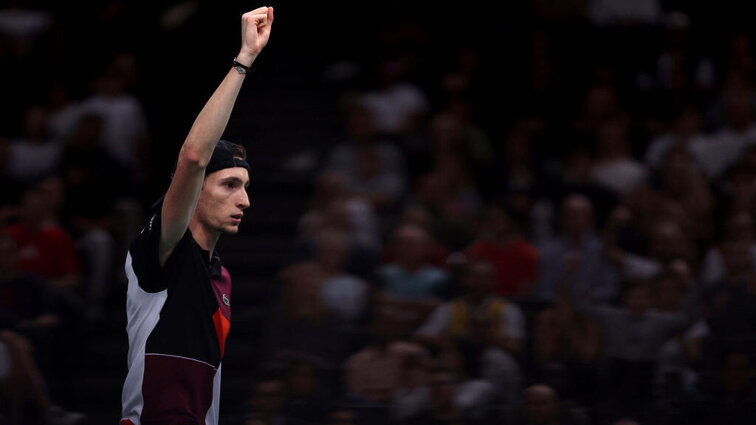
529	213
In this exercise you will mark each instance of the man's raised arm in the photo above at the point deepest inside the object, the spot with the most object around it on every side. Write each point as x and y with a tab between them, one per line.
183	193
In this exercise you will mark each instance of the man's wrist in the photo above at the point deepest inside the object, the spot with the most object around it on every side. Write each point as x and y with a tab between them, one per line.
245	59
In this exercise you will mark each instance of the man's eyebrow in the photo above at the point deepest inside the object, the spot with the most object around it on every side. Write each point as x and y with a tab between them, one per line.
235	180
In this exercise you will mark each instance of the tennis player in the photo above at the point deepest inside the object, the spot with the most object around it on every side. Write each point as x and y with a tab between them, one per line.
179	294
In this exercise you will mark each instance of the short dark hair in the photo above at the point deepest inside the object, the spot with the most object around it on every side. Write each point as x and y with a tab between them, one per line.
238	151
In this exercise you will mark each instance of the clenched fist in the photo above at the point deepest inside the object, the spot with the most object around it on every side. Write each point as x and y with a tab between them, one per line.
255	33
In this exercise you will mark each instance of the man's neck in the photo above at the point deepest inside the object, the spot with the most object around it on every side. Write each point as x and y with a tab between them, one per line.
205	238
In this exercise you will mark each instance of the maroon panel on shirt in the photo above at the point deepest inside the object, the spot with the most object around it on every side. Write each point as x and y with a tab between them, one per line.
222	288
176	390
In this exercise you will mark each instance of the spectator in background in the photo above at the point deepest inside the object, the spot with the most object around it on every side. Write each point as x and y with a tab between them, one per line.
723	147
375	168
417	215
35	154
683	186
576	255
389	370
29	308
265	404
361	132
541	406
64	112
600	104
615	168
619	13
28	304
345	295
730	304
485	324
667	246
341	415
515	259
679	357
93	184
566	348
476	141
45	248
444	410
397	105
410	284
301	321
738	187
24	26
633	335
335	205
125	132
306	395
738	228
449	191
518	159
731	398
23	385
686	133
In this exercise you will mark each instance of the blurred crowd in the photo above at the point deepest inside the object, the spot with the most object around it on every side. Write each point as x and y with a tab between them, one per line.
559	235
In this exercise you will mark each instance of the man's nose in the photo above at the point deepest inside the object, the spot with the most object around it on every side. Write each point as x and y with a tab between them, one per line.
244	201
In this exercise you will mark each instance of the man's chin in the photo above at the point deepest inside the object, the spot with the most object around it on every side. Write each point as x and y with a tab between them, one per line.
230	230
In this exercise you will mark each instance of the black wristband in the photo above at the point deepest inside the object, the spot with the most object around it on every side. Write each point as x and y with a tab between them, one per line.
241	68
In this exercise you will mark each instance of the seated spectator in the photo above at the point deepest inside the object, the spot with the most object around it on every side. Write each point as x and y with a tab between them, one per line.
444	410
360	129
449	192
334	204
345	295
668	246
723	148
738	227
483	323
731	398
35	154
515	259
541	406
341	416
375	169
380	186
93	184
265	404
397	104
301	322
388	370
24	385
678	358
125	133
566	346
685	132
632	336
683	183
29	309
576	255
410	284
28	304
615	168
730	304
306	395
417	215
45	248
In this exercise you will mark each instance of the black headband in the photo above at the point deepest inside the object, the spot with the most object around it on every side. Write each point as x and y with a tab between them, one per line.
223	157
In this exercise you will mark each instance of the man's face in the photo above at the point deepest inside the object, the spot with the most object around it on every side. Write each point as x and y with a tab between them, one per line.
223	199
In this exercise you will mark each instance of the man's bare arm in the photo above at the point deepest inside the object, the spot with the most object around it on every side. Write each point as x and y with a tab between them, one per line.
183	193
